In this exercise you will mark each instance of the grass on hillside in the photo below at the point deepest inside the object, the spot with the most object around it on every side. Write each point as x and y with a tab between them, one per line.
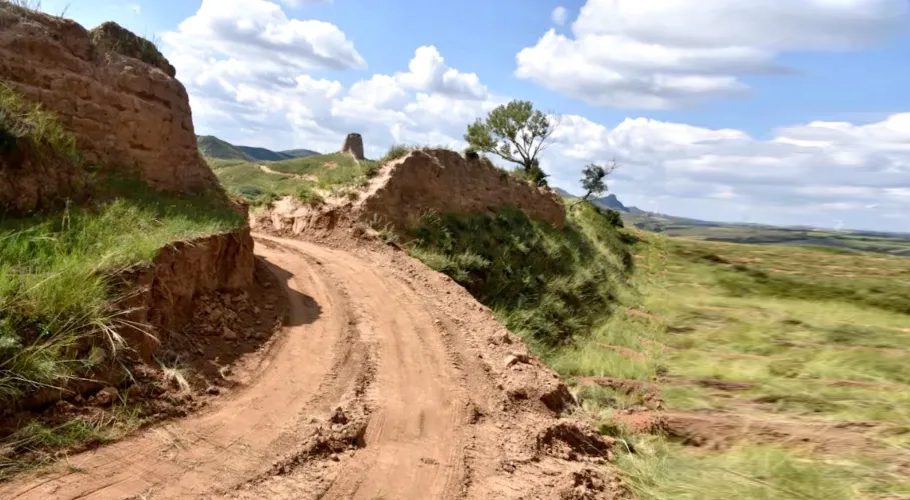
547	284
22	124
813	334
55	266
307	178
55	270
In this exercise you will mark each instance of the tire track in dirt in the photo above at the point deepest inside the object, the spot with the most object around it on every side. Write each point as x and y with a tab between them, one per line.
414	438
389	381
237	437
413	444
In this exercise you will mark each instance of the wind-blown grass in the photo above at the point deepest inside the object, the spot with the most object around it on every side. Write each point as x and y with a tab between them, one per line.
56	304
662	471
809	334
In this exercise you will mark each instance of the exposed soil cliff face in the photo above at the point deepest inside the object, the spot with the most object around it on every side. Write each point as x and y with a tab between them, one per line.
167	291
425	180
443	181
111	89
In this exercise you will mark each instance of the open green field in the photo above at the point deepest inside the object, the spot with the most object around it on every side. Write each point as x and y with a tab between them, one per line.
309	178
790	364
862	241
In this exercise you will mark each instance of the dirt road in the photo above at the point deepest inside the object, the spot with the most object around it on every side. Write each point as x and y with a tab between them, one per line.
388	381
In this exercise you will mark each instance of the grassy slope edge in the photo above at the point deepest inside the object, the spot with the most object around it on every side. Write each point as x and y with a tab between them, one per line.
699	310
548	284
56	306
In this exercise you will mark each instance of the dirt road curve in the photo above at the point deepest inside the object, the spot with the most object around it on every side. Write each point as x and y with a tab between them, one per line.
388	381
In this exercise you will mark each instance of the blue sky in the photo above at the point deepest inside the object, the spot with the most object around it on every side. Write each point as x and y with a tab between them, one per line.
780	112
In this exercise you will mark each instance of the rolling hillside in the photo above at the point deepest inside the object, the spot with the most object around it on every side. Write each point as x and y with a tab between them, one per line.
760	234
213	147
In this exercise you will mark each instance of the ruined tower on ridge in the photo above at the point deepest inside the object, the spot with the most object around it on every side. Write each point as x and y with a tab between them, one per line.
353	144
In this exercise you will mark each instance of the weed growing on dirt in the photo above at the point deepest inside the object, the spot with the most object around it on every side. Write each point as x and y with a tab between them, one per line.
547	284
56	269
395	152
21	122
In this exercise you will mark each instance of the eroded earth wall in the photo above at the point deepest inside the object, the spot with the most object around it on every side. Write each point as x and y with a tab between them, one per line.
165	292
111	89
443	181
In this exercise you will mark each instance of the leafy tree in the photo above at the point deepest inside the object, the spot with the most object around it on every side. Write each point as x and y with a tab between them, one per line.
592	179
515	132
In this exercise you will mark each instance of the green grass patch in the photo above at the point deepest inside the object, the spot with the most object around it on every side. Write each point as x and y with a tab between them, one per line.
56	303
26	126
661	470
547	284
309	178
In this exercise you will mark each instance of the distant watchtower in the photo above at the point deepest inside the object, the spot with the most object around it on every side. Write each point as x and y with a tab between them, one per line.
353	144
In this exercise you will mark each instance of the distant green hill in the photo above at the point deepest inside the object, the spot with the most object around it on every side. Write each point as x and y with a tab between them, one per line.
299	153
858	241
261	154
213	147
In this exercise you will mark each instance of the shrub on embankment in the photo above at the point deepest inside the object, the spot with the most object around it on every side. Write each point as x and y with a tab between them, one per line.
548	284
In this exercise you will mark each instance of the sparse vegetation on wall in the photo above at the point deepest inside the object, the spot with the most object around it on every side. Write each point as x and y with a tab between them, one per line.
27	127
396	151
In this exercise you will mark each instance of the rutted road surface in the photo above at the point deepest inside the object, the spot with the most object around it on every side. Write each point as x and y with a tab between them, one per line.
389	381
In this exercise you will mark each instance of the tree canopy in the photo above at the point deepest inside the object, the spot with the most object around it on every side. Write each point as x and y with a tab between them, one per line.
515	132
592	179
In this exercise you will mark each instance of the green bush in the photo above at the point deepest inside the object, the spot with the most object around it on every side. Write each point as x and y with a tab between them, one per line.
548	284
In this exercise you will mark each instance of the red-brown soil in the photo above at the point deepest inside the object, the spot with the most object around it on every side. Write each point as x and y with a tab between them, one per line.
387	380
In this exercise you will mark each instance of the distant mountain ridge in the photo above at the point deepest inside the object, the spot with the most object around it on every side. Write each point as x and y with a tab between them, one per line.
213	147
610	201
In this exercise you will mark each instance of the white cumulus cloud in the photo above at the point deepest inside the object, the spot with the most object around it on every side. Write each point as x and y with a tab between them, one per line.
260	31
669	53
813	173
249	70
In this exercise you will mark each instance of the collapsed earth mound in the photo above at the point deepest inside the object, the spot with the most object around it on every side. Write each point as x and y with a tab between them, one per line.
443	181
